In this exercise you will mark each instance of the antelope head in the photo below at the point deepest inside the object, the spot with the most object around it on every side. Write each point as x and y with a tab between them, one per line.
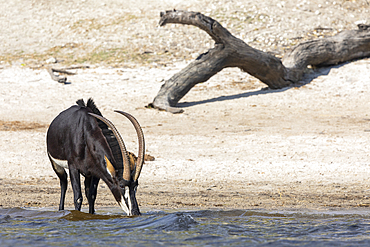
125	183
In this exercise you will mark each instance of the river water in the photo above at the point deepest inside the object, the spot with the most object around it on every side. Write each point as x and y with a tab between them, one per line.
109	227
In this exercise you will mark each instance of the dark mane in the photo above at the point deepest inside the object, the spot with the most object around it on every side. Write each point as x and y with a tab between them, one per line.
81	103
108	134
90	104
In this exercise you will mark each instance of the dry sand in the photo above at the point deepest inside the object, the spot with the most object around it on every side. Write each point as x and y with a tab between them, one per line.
237	145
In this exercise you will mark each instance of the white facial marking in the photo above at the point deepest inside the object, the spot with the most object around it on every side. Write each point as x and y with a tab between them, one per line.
124	207
109	173
127	196
61	163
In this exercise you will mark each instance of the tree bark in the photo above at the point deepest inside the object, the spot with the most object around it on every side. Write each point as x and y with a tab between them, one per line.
230	51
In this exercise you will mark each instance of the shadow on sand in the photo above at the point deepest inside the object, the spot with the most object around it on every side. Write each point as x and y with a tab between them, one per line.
306	79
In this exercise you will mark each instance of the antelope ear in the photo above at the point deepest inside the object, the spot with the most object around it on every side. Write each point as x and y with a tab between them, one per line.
110	167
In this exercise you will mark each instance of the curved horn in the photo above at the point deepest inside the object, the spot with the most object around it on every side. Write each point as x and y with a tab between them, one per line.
126	164
140	135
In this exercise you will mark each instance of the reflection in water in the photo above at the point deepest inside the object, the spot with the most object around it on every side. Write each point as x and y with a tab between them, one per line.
26	227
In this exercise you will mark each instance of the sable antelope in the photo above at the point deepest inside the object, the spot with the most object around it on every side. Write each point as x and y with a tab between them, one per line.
79	139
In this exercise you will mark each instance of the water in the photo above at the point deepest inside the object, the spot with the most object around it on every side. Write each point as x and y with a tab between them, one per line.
41	227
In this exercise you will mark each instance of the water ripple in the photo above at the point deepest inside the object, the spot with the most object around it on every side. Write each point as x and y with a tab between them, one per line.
38	227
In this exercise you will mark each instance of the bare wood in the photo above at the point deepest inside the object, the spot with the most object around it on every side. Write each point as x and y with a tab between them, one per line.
63	79
230	51
77	67
345	46
56	77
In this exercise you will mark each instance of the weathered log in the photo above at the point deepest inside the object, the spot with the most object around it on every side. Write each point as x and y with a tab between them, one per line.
230	51
63	79
60	79
345	46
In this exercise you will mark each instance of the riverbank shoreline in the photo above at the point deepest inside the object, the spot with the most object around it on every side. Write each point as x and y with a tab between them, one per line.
237	145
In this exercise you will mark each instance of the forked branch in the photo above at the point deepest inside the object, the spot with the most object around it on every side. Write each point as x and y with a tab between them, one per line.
230	51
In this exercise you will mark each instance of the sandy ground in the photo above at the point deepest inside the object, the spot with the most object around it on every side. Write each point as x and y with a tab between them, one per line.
237	145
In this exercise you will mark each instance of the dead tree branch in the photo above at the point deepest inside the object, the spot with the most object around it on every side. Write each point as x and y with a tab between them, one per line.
230	51
62	79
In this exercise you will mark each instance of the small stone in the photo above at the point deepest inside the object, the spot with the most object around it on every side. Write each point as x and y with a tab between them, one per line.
51	60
